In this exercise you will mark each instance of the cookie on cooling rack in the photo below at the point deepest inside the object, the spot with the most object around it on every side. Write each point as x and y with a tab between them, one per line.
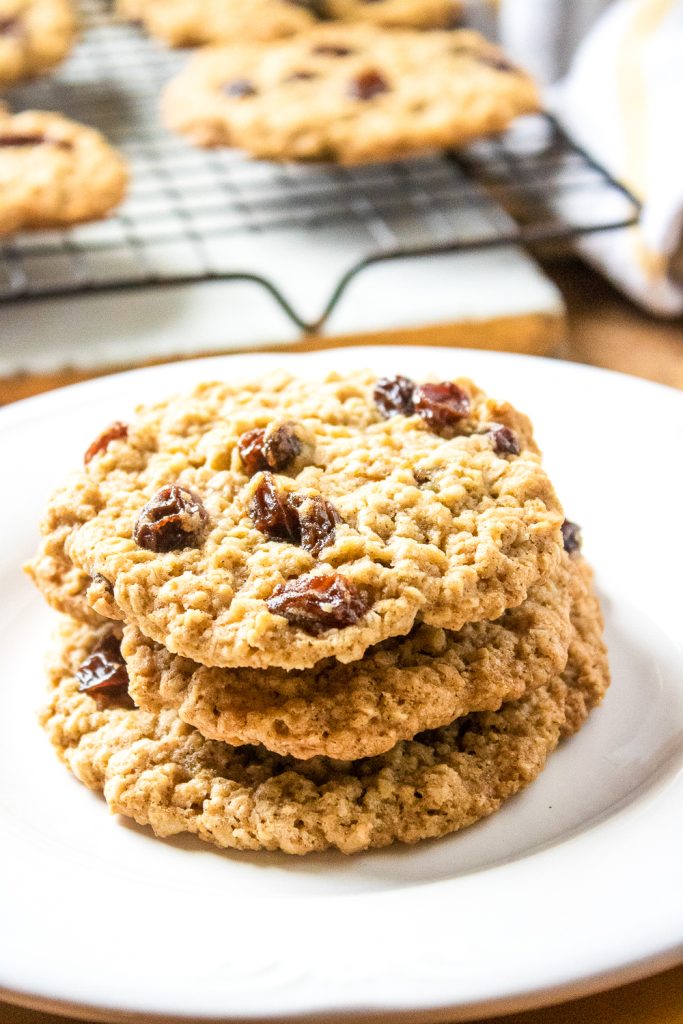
161	772
35	35
281	521
194	22
55	172
348	93
424	14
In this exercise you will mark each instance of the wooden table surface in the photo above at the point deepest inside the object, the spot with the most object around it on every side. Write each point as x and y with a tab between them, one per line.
604	330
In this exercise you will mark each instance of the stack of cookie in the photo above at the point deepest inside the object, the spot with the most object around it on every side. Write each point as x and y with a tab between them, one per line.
302	615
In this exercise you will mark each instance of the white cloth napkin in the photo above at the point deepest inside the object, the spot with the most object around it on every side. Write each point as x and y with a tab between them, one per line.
542	35
622	100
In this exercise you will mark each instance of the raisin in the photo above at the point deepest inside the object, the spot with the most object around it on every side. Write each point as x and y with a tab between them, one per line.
239	88
442	406
282	447
301	76
10	27
317	603
173	519
277	450
250	447
272	512
367	85
571	536
15	141
330	50
308	521
101	597
497	62
317	522
422	476
115	432
505	441
104	670
394	396
318	8
102	583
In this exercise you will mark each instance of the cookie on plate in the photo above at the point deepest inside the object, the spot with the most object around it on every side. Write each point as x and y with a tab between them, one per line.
35	35
195	22
63	585
55	172
282	521
164	773
348	93
400	688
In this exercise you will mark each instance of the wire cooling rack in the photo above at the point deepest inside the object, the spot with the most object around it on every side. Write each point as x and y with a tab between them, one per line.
195	215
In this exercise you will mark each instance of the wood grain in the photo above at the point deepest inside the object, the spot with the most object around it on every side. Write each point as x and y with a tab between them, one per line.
605	329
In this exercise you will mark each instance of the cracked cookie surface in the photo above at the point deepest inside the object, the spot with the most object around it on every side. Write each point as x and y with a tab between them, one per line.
162	772
408	524
35	35
55	172
404	686
348	93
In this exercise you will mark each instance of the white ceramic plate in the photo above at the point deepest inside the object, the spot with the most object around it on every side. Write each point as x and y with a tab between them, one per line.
574	885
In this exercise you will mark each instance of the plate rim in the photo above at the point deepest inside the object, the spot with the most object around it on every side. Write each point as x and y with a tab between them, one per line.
652	961
24	406
638	970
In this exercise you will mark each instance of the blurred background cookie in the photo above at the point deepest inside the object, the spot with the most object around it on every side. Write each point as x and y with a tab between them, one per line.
55	172
353	94
193	22
35	35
